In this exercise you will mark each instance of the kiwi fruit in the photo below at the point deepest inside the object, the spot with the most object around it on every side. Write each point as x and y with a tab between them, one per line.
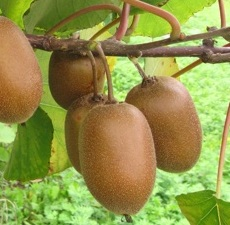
71	76
74	118
173	119
117	157
20	75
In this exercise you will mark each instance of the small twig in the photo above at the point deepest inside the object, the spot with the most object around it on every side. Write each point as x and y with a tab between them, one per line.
122	28
82	12
222	153
207	35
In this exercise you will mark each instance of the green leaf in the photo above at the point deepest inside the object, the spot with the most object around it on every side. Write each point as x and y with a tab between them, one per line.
30	155
203	208
4	155
162	66
59	160
45	14
154	26
15	9
7	133
158	3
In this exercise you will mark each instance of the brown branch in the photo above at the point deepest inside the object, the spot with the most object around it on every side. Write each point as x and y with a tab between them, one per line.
111	47
217	58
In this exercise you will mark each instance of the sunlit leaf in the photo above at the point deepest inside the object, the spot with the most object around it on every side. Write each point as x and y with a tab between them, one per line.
155	26
46	13
15	9
7	133
30	155
160	66
59	160
204	208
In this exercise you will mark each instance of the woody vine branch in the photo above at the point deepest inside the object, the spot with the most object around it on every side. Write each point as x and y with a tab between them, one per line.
207	50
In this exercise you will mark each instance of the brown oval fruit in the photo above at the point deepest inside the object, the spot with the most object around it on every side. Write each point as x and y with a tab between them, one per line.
117	157
173	119
74	118
71	76
20	75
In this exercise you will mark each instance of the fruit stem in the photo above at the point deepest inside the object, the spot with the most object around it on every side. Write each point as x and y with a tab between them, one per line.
100	51
82	12
170	18
133	25
93	63
123	26
222	13
134	60
222	152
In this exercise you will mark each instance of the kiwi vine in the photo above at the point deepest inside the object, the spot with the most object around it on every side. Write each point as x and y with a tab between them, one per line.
125	140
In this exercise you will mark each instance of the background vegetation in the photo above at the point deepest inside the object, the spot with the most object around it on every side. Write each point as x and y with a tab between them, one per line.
64	199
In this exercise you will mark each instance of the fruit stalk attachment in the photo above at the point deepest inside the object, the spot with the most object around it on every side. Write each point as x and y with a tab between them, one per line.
100	51
94	69
134	60
145	79
222	153
171	19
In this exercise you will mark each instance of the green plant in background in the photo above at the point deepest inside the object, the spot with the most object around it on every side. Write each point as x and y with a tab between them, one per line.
63	197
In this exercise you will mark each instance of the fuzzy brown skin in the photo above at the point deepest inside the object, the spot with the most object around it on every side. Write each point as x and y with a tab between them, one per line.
117	157
74	118
20	75
71	76
174	122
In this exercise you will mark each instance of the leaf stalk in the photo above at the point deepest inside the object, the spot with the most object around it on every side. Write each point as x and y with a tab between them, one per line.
222	153
170	18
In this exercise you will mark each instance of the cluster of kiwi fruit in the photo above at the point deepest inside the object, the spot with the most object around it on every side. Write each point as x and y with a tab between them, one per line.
20	75
117	147
109	143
